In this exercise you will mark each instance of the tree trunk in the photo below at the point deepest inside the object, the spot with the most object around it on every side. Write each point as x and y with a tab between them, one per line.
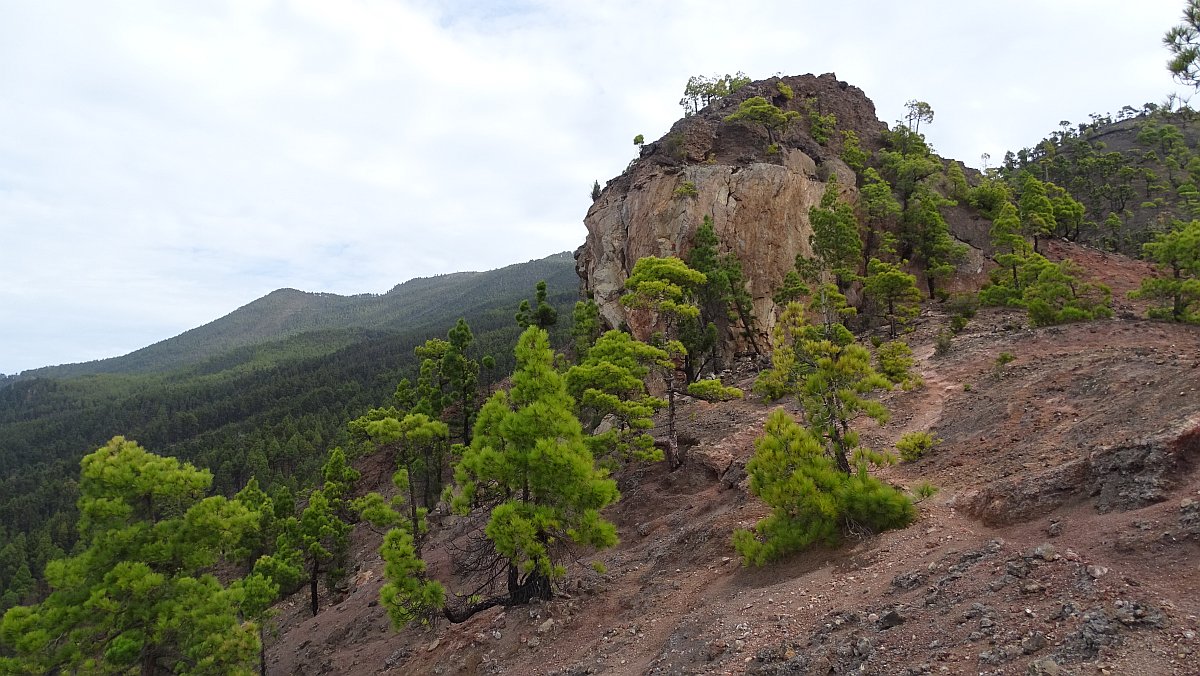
673	459
312	589
412	500
262	648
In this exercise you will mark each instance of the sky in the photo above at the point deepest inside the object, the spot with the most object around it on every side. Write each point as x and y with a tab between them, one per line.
162	164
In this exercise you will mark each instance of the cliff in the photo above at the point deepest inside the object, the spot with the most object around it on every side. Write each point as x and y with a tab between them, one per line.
758	200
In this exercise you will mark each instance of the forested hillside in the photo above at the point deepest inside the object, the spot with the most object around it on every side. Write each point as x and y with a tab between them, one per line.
1134	173
257	406
416	305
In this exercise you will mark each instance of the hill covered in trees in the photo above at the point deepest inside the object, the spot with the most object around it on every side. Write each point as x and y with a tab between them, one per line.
423	304
263	392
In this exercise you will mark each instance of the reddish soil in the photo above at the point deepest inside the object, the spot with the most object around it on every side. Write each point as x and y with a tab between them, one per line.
1058	542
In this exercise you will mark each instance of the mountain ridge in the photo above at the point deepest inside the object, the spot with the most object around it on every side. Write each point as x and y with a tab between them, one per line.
287	312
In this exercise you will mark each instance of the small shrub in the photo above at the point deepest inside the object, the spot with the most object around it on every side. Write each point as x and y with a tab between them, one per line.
941	345
1005	358
913	445
966	387
712	390
784	90
639	140
674	147
924	490
964	305
686	189
773	149
957	324
600	568
895	360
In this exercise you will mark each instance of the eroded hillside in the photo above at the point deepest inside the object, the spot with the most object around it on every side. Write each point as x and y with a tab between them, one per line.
1063	540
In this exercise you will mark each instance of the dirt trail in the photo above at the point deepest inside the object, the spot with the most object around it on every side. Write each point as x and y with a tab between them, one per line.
1061	533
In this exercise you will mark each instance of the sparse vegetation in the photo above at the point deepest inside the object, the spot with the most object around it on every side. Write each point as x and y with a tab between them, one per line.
711	389
914	445
924	490
686	189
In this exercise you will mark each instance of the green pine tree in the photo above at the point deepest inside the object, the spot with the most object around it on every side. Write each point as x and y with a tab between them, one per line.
140	594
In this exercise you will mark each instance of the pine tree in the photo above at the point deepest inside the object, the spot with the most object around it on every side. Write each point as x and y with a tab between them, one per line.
585	327
529	459
317	542
1178	254
812	500
610	381
542	314
835	240
666	287
140	595
893	293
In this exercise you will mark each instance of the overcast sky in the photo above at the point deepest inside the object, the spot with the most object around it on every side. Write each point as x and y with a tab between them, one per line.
163	163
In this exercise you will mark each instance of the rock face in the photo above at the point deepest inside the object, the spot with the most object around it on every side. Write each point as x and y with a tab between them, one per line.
758	200
1118	477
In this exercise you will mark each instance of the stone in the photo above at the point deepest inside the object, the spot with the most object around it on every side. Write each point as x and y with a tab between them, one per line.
759	204
533	642
891	619
546	626
1044	667
1097	572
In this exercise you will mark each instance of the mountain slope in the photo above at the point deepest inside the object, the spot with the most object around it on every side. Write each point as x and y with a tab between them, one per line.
1061	534
255	402
425	303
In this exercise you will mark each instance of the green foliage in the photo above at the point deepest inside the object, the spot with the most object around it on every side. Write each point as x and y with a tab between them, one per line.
408	596
913	445
959	189
595	190
701	91
246	408
711	389
528	458
820	127
893	294
812	501
1183	41
835	240
989	196
666	287
139	595
942	343
1177	254
852	152
784	90
927	235
722	299
895	363
758	110
686	189
830	376
1057	296
639	140
419	446
924	490
585	327
542	315
1004	358
918	112
610	381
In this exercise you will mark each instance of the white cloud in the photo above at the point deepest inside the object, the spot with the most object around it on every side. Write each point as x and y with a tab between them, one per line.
163	164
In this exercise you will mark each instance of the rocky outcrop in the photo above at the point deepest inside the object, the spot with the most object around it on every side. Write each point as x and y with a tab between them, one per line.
1119	477
758	200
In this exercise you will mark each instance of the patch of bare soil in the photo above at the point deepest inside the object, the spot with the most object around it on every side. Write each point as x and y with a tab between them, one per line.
1065	537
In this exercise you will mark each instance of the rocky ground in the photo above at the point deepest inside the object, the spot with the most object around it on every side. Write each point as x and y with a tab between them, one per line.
1064	539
